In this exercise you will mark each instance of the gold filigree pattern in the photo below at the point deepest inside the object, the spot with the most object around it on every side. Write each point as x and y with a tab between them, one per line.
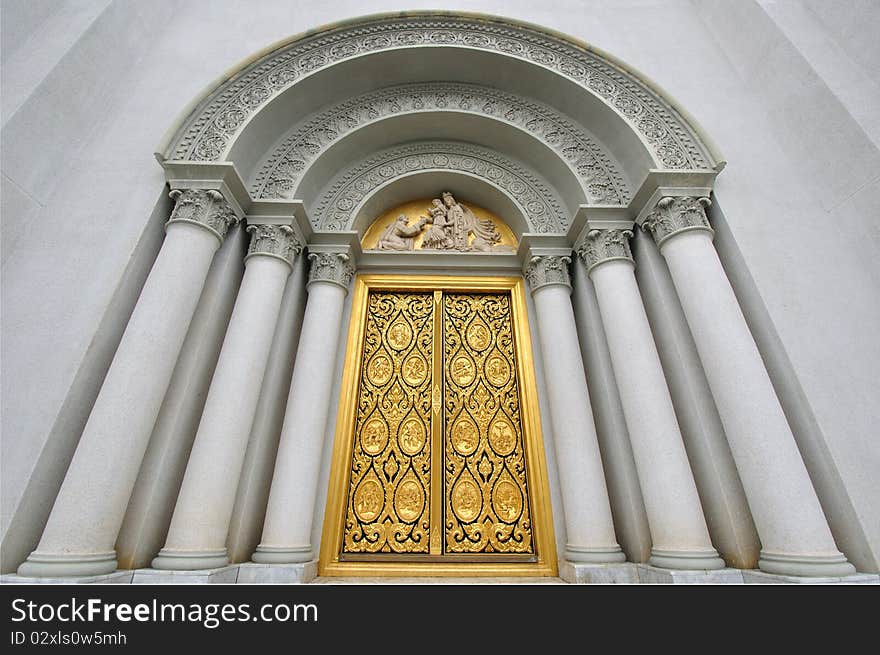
390	480
487	502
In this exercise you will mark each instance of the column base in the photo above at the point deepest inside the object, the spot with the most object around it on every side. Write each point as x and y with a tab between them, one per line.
218	575
190	560
67	565
811	566
117	577
580	573
282	554
597	555
686	560
301	573
759	577
653	575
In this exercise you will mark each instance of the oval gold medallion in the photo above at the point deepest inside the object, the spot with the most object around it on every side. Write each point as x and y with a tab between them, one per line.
478	335
497	370
411	436
374	436
462	370
399	335
466	500
507	501
380	370
465	437
415	370
502	438
368	499
409	501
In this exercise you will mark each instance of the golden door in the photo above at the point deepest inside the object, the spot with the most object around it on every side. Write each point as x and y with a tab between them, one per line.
438	458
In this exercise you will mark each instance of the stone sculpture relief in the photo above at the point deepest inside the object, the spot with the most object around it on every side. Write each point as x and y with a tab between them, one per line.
450	226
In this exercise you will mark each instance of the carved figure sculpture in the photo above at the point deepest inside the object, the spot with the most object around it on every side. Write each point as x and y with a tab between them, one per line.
399	235
464	223
437	236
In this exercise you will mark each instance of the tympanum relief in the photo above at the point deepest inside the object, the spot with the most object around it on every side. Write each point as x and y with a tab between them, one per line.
443	224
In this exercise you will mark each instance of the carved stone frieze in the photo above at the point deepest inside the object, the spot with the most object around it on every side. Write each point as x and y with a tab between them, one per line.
600	175
605	245
673	215
335	207
204	207
275	241
544	270
332	267
210	130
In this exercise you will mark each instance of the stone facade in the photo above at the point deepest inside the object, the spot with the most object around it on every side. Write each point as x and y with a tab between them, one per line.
601	161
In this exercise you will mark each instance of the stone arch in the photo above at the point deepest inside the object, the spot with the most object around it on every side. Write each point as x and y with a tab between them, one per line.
343	199
236	118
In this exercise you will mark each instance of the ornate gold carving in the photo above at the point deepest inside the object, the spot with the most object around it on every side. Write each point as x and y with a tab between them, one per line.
484	463
391	457
369	495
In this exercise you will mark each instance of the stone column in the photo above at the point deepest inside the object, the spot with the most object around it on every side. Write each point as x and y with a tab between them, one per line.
588	524
678	528
197	536
795	538
290	512
624	491
80	534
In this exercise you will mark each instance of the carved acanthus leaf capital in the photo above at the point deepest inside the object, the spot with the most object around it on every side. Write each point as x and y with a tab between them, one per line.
334	267
544	270
274	241
206	208
605	245
674	215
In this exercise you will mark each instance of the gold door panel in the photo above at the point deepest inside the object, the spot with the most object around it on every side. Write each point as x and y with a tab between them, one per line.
388	500
486	494
438	467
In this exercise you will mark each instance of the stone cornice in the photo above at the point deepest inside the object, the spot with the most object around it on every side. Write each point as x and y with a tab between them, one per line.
602	246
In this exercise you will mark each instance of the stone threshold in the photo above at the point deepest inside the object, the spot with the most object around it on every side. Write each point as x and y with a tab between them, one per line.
569	572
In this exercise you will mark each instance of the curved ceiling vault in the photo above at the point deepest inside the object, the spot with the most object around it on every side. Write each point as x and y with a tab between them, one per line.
338	117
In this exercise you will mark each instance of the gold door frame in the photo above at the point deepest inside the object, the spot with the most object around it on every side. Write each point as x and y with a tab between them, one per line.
329	563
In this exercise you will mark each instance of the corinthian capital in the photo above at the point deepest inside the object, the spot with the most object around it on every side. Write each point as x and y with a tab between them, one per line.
203	207
544	270
605	245
674	215
334	267
273	241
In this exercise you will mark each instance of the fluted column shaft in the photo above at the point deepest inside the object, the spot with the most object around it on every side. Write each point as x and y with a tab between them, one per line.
794	533
678	528
80	534
290	512
197	535
589	528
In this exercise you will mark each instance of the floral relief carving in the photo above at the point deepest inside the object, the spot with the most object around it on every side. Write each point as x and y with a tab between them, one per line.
545	270
204	207
209	132
677	214
334	209
600	175
332	267
603	245
276	240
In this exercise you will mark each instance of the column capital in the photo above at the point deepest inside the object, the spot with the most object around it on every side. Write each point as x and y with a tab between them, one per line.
545	270
600	246
279	241
676	214
333	267
206	208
